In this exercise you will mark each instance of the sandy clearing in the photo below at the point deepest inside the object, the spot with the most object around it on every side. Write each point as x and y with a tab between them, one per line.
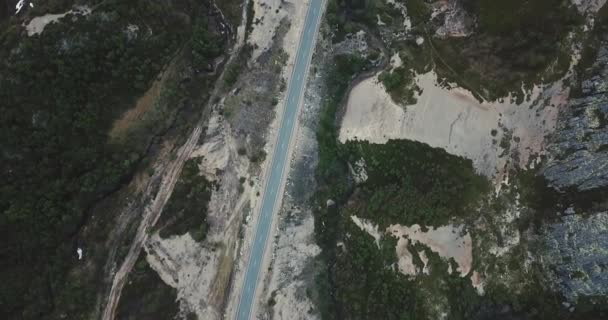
151	212
184	264
223	227
267	18
477	283
450	242
454	120
37	25
215	155
396	61
589	6
447	241
201	271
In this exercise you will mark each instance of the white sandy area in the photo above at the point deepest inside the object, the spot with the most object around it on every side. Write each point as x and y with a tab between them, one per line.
37	25
184	264
454	120
200	271
447	241
589	6
396	61
478	283
214	153
268	16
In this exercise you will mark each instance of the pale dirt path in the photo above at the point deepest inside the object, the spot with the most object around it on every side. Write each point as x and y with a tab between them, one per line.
170	175
151	214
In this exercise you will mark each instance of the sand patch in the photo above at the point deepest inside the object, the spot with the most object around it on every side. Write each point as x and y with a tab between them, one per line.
37	25
588	6
477	283
453	119
267	18
184	264
449	242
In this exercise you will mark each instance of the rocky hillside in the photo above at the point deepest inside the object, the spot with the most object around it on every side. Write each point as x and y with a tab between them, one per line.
578	154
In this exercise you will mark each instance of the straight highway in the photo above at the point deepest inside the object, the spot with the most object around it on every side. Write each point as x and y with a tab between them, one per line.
280	158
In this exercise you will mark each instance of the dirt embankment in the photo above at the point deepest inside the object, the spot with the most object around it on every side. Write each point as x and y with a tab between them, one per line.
157	192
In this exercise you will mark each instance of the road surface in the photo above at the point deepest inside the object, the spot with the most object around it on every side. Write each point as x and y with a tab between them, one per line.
280	158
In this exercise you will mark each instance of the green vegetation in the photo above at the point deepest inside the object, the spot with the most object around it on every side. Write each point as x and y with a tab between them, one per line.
399	83
232	11
408	182
186	210
205	45
512	45
348	16
249	22
237	66
366	287
146	296
331	173
60	93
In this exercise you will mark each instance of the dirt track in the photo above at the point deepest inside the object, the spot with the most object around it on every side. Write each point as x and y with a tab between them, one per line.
170	174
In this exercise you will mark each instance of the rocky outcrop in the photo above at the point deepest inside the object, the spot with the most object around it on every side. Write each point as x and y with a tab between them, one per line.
578	153
576	255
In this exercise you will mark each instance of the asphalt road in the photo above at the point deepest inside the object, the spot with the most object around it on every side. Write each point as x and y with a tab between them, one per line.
280	159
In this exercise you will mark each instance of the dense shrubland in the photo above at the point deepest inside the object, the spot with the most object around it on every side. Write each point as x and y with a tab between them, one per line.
60	92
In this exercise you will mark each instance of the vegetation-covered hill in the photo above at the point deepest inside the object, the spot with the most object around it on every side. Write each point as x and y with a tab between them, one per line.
60	93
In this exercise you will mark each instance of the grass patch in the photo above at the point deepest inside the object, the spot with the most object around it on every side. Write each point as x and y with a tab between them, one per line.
399	83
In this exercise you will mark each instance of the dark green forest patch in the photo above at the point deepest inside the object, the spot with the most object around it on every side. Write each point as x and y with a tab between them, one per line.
515	42
186	210
146	296
60	93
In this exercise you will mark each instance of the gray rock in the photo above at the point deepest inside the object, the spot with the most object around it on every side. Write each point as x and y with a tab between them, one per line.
578	152
575	256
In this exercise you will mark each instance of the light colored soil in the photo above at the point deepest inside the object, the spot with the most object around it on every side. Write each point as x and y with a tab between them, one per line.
184	264
589	6
224	209
454	120
151	213
268	16
447	241
37	25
